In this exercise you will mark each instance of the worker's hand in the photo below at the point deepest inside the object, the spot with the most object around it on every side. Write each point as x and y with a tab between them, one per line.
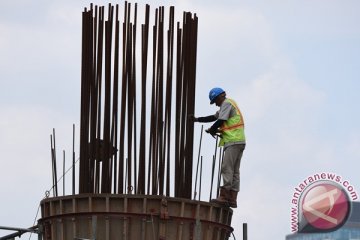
192	118
211	131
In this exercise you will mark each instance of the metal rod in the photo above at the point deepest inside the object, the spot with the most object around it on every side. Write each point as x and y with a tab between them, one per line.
197	165
160	84
52	166
126	173
100	121
73	162
130	106
93	100
245	231
133	76
63	172
123	107
201	164
142	147
213	169
219	172
212	177
177	113
168	94
55	168
98	151
152	160
114	132
20	231
105	183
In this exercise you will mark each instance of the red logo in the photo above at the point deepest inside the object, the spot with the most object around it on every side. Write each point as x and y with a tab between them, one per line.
325	207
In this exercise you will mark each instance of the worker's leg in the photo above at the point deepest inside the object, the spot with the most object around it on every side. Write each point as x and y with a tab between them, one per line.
227	167
238	151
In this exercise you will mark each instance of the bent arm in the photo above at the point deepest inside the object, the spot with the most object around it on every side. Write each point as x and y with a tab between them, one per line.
210	118
217	124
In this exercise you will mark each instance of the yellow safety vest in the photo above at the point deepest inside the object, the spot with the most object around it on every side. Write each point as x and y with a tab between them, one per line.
233	129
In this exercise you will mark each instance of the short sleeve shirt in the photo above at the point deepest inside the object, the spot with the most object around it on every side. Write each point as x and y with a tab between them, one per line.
226	111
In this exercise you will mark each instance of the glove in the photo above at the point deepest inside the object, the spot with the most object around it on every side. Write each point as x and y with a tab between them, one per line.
192	118
214	132
211	131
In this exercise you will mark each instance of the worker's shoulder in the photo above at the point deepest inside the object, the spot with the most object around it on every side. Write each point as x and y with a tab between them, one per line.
229	103
230	100
226	104
225	107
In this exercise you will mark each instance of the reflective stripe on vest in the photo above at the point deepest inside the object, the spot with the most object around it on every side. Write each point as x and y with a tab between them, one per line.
233	128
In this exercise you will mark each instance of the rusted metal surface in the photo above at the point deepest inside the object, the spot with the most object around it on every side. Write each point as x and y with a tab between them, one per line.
123	146
122	216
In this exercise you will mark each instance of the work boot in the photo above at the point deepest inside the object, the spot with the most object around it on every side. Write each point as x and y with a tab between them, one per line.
223	197
233	197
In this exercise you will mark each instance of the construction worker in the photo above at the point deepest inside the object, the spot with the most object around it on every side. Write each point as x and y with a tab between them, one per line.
229	125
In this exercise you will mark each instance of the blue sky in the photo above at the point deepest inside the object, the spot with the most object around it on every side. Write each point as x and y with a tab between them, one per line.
292	66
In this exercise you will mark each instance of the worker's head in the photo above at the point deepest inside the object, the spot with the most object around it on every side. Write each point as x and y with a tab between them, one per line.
217	96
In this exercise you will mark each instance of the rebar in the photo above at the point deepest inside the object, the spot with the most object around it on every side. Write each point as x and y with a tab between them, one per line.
198	160
201	164
53	150
63	176
144	54
109	136
221	158
245	231
213	168
73	161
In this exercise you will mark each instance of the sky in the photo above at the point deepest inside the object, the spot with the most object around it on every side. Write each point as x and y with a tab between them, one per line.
292	66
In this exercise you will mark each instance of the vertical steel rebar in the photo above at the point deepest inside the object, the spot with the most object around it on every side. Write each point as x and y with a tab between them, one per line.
212	177
101	166
130	101
201	164
52	166
114	132
85	98
219	172
123	106
63	173
133	76
152	142
177	113
142	148
213	168
93	100
160	79
197	165
169	77
55	168
105	183
73	161
245	231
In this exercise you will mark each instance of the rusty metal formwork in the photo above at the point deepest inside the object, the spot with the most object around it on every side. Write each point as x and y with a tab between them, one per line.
140	217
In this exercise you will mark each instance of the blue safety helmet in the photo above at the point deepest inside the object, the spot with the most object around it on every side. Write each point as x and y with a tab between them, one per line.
214	93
